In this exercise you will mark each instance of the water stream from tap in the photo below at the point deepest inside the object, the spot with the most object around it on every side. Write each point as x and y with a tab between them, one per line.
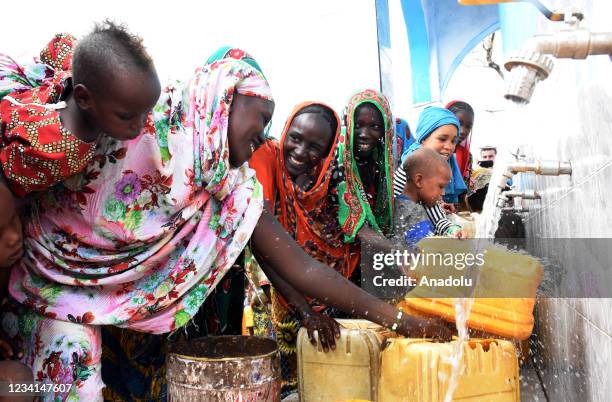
486	226
463	306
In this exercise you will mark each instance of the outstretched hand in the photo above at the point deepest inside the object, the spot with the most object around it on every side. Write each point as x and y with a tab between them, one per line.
449	208
327	328
460	234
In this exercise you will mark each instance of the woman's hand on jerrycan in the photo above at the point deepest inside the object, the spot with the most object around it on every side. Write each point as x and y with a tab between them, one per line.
327	328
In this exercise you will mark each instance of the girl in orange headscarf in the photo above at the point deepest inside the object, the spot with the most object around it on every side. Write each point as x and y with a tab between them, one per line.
298	176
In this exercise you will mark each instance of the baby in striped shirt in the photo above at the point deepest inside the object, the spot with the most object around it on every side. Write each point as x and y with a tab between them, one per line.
419	186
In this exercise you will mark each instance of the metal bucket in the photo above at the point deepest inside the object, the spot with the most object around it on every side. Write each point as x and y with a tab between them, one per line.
224	368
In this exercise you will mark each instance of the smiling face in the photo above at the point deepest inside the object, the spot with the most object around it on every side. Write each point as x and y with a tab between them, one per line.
11	239
442	140
248	118
368	129
307	143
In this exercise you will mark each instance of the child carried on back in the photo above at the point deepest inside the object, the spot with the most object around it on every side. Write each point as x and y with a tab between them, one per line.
53	113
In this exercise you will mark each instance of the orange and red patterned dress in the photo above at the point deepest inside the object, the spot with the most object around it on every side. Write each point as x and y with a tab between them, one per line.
36	150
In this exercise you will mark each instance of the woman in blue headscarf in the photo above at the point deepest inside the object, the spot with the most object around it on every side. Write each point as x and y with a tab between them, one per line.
437	130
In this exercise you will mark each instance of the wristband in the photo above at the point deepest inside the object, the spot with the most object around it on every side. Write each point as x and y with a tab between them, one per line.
396	324
453	229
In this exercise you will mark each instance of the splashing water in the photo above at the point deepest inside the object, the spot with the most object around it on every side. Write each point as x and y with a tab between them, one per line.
511	134
463	306
487	224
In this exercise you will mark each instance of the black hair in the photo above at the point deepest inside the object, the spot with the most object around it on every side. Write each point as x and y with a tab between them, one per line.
510	226
461	106
477	199
107	49
425	161
511	231
326	113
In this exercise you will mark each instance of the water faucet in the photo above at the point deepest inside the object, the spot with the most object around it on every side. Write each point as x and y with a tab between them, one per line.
526	195
517	196
543	168
517	209
534	63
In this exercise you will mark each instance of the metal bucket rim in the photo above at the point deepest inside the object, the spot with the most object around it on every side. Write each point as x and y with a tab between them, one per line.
222	359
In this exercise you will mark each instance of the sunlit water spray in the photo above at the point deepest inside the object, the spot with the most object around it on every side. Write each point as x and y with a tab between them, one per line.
486	225
463	306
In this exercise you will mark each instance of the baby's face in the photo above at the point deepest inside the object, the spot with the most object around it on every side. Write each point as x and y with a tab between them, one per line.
11	235
121	111
433	186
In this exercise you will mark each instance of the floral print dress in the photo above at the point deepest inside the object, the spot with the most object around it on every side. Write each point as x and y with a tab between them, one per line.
36	150
142	235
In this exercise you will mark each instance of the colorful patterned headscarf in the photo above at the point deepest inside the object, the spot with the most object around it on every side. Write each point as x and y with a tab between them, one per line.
310	216
430	119
354	207
225	52
210	93
53	66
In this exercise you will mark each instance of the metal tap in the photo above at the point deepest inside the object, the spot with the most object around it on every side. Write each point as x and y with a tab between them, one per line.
518	209
517	196
544	168
534	62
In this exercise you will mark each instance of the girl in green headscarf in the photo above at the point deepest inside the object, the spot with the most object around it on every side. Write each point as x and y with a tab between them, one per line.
365	157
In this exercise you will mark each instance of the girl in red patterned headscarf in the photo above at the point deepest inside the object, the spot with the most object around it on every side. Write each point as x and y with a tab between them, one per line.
465	114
